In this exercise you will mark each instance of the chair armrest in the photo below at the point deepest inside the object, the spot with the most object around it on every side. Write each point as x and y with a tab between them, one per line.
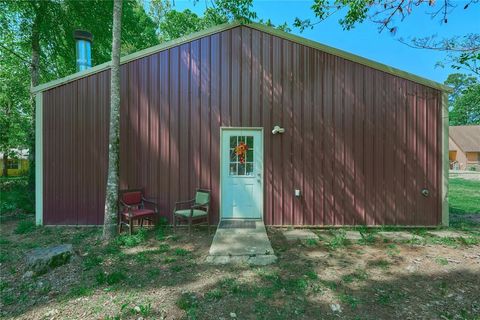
184	202
151	203
200	205
123	204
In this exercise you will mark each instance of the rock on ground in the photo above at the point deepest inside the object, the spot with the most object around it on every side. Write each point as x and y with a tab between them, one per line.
43	259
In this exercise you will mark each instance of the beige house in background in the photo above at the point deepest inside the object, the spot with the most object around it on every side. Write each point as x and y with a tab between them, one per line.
464	147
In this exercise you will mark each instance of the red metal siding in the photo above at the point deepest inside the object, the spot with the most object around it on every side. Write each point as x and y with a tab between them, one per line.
360	143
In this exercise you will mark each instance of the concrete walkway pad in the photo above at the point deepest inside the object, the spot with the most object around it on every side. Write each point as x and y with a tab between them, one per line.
398	235
241	245
446	234
299	234
353	235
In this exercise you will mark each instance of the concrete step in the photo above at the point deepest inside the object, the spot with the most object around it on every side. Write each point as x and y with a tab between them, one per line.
241	245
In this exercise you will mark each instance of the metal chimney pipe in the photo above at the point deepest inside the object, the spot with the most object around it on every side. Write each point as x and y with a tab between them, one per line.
83	45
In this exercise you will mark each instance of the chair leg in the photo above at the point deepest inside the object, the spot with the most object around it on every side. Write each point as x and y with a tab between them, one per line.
190	226
130	226
141	222
208	224
174	224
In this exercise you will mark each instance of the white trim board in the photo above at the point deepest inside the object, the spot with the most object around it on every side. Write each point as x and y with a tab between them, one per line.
261	132
39	158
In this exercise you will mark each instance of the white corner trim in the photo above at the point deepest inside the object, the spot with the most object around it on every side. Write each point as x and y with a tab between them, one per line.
39	158
445	161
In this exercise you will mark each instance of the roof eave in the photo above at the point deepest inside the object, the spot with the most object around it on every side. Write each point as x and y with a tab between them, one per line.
351	57
259	27
136	55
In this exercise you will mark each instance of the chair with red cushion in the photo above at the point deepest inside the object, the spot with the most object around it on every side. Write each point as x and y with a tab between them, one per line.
132	206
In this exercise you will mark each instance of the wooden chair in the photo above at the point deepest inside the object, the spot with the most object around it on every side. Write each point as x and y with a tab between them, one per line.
133	206
193	210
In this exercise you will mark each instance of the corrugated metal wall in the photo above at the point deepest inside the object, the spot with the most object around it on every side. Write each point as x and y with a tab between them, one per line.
359	142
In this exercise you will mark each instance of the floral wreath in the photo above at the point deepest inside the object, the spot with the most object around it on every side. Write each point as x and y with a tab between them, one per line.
241	151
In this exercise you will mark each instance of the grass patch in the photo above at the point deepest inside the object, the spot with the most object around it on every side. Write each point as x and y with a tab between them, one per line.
25	226
181	252
91	262
358	275
350	300
380	263
311	242
441	261
80	291
132	240
338	240
109	278
214	294
188	302
463	196
392	249
15	195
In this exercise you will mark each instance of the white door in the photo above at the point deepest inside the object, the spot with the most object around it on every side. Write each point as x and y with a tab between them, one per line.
242	173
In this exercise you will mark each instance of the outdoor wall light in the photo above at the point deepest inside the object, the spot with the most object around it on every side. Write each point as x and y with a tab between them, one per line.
278	129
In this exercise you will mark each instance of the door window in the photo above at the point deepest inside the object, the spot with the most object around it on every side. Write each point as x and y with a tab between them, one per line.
241	156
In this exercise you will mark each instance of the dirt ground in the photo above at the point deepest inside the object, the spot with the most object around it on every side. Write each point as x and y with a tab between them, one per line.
164	276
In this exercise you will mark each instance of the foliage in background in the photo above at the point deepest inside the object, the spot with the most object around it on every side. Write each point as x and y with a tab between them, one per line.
464	102
14	198
462	51
14	103
174	24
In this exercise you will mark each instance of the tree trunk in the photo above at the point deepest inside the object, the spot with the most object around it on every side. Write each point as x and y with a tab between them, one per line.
111	196
34	81
5	160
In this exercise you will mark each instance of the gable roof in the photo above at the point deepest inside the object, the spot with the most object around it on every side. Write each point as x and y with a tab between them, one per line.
467	138
260	27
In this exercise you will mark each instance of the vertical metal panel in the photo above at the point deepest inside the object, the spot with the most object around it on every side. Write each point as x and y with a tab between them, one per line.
359	143
75	117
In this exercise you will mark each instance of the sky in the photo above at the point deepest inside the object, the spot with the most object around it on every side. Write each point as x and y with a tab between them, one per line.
365	39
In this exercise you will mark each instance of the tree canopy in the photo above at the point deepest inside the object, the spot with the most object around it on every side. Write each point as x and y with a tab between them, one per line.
464	102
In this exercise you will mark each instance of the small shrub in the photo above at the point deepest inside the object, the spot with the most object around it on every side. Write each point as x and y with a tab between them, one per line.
312	275
441	261
214	294
358	275
144	310
339	240
91	262
164	248
169	259
142	258
109	278
350	300
231	285
181	252
25	226
160	236
311	242
4	256
187	300
8	298
296	285
176	268
469	241
367	237
80	291
392	249
380	263
132	240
